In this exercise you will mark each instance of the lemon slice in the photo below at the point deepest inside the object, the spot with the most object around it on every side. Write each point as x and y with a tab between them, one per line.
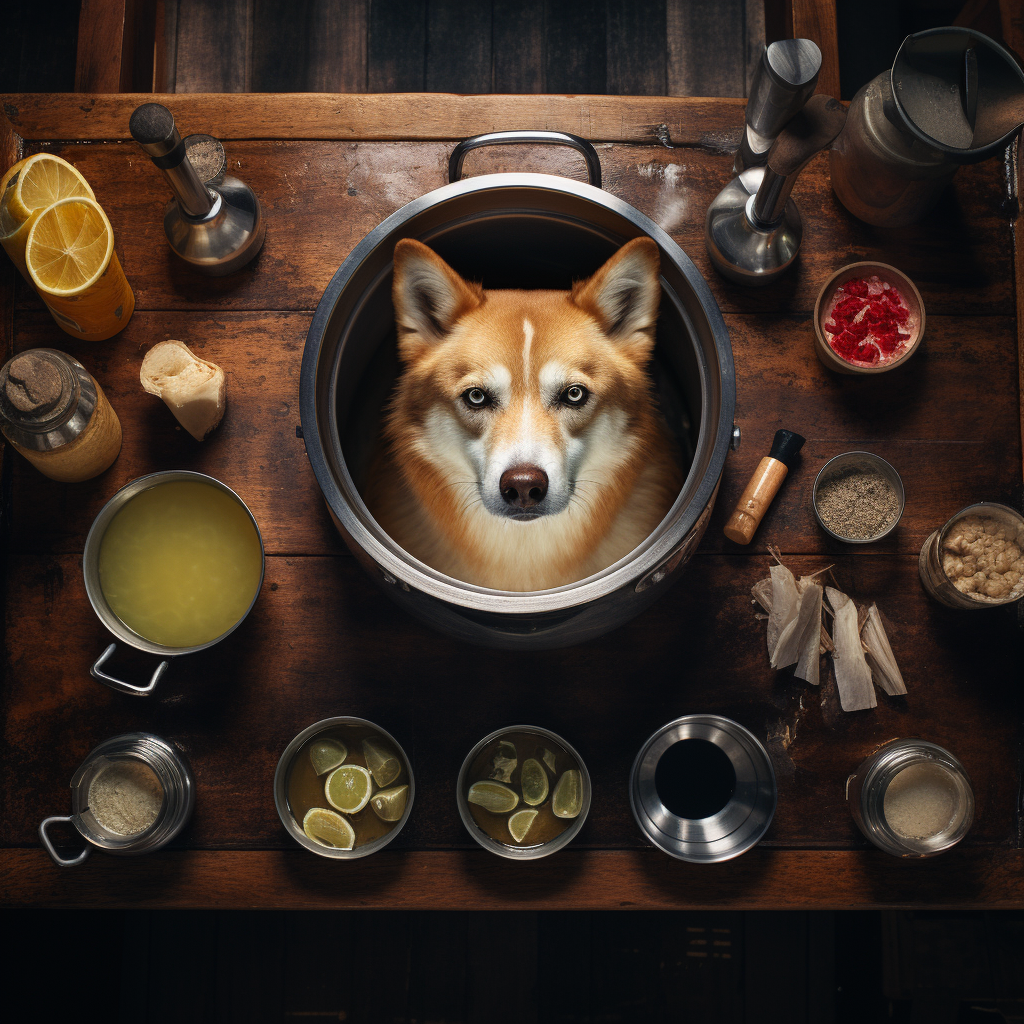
520	822
534	782
389	804
493	796
327	753
69	247
549	759
348	788
381	760
328	829
567	801
38	182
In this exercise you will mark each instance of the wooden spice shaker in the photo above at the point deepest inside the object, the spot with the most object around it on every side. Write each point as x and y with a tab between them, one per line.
54	413
762	487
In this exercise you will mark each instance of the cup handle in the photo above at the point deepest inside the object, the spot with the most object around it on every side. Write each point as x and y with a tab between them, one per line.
116	684
62	862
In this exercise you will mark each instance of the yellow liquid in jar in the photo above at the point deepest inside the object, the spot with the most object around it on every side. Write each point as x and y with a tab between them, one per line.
180	564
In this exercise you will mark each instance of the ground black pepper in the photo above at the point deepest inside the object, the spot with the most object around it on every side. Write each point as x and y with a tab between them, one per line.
858	504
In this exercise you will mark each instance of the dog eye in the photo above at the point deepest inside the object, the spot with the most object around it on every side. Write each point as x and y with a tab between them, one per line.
476	398
574	395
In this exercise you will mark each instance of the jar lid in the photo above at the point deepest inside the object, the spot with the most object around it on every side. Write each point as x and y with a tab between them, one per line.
46	398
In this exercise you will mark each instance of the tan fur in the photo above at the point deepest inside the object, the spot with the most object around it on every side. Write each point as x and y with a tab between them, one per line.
613	457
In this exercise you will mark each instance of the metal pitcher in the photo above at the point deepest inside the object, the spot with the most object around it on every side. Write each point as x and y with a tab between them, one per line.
953	96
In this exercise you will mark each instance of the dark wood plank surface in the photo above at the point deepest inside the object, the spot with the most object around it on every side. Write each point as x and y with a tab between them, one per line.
322	640
640	47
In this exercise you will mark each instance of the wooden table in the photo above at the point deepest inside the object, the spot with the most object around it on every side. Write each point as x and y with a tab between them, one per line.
322	640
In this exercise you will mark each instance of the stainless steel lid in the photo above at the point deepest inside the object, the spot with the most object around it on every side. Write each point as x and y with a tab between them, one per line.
730	830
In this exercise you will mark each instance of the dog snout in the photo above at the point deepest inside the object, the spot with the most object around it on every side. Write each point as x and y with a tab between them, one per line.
524	486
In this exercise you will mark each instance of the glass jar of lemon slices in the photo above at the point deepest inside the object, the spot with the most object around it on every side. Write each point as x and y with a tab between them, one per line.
344	788
60	239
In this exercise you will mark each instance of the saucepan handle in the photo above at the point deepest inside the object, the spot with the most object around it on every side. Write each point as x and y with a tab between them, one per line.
544	137
63	862
117	684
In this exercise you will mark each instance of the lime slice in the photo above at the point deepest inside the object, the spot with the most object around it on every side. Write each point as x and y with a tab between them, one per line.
505	761
328	829
548	758
534	782
389	804
327	753
493	796
567	801
520	822
348	788
381	760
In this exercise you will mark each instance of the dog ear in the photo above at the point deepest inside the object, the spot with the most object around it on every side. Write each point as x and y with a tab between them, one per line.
428	295
623	296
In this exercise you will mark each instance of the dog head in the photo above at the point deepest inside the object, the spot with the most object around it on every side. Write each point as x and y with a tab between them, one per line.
516	402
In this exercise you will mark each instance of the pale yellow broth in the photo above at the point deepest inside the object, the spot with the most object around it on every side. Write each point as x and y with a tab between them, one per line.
180	564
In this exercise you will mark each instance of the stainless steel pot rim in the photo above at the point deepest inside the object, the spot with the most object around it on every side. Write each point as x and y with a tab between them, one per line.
743	833
392	559
294	829
527	853
95	537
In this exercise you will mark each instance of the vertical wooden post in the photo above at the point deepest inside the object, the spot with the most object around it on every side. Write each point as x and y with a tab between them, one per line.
816	19
115	46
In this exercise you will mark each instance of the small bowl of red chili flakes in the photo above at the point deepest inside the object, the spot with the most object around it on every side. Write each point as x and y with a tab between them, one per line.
869	318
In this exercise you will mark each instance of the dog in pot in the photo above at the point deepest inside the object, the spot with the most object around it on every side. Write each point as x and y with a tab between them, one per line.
524	448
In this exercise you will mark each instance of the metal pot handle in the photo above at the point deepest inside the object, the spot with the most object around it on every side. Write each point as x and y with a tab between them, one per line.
551	138
116	684
62	862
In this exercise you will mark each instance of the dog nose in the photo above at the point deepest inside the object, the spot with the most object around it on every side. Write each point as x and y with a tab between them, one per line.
524	486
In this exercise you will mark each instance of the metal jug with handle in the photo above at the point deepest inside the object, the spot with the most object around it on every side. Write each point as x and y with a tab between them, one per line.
953	96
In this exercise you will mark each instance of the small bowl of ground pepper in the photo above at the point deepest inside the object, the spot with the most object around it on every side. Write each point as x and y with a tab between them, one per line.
869	318
858	498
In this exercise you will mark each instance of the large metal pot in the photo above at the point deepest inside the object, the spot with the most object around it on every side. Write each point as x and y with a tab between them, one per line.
514	230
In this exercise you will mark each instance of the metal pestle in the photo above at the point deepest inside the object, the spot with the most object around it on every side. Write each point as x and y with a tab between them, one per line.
216	226
753	229
784	80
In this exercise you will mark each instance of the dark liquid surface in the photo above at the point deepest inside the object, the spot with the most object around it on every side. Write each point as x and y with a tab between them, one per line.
695	779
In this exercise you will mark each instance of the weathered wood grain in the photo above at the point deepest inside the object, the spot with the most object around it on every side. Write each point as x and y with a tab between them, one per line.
780	383
106	41
397	45
320	199
707	47
816	19
42	116
572	880
322	640
518	47
576	57
637	54
214	48
458	47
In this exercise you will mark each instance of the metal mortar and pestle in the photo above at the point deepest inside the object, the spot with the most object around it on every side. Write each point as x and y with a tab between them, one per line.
214	222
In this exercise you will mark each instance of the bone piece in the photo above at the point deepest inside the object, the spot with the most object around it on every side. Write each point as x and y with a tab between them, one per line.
785	604
192	388
810	639
803	625
853	677
762	591
884	669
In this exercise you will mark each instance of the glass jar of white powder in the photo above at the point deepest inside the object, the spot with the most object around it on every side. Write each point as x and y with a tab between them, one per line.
133	794
911	798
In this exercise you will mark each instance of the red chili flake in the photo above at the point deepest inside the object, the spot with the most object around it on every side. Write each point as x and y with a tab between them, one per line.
864	327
